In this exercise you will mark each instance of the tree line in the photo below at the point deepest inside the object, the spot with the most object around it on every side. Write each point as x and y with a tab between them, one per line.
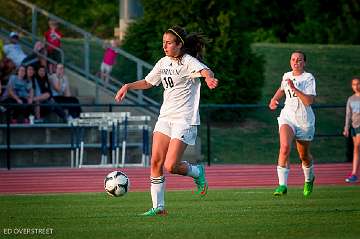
230	26
295	21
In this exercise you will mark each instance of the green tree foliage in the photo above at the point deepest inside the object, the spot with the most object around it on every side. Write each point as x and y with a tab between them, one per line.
96	16
228	50
271	21
327	21
303	21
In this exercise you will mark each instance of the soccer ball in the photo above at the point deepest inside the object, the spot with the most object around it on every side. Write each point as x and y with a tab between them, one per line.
116	183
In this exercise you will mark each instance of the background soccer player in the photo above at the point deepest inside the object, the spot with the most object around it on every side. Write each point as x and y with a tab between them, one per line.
296	121
352	126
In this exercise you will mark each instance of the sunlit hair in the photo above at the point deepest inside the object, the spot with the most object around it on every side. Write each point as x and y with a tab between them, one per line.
355	78
192	44
300	52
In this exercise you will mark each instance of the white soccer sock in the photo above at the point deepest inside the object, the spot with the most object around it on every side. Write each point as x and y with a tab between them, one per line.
158	191
193	171
283	175
308	173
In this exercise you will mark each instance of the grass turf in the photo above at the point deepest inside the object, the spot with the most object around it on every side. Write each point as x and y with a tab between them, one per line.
331	212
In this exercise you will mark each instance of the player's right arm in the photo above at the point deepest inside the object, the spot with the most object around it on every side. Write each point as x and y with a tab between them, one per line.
137	85
274	102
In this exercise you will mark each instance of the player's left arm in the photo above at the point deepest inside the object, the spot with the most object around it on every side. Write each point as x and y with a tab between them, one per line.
210	79
305	98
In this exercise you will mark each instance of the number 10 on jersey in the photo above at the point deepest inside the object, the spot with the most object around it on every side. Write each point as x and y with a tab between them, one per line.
168	82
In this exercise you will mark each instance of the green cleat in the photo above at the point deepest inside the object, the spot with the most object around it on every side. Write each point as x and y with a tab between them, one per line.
280	191
308	187
201	183
154	212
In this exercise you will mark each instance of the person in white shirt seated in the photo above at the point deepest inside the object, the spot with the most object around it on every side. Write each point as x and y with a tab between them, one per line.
60	90
13	49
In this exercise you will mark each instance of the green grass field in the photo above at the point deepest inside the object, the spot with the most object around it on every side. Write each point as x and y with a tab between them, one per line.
331	212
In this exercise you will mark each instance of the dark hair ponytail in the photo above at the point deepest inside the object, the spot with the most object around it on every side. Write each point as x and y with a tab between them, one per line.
193	43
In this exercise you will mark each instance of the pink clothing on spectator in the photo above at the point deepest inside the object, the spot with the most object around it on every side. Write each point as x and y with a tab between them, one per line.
110	56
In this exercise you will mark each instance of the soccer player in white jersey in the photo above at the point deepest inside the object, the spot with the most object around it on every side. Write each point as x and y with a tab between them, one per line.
179	114
296	121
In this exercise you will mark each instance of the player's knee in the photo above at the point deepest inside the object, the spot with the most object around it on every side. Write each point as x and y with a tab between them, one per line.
156	165
285	149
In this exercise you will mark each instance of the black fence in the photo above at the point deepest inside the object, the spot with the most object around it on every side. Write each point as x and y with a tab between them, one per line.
242	133
248	134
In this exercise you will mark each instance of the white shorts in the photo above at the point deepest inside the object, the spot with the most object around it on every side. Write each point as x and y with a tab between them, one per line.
301	132
105	68
183	132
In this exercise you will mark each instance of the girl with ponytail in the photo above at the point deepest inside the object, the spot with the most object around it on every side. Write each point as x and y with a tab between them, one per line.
179	72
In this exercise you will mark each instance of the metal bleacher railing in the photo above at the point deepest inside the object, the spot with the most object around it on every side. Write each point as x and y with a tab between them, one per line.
83	56
29	45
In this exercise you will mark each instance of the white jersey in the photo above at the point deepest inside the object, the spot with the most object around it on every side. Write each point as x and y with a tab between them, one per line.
181	91
294	108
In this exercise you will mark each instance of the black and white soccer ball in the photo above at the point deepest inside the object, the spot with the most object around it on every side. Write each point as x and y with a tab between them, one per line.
116	183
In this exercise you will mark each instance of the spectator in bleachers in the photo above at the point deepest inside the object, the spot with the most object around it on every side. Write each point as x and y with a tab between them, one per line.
60	89
20	91
13	49
108	60
42	95
37	57
53	44
30	73
7	67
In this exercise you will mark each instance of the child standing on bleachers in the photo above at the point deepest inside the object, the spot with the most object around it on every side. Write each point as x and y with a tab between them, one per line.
108	61
53	39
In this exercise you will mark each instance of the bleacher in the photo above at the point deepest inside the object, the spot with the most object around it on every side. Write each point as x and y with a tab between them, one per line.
49	144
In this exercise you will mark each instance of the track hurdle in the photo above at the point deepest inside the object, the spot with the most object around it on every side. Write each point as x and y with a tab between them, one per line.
114	126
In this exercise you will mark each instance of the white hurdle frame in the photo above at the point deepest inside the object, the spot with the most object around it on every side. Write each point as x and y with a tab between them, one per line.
106	122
